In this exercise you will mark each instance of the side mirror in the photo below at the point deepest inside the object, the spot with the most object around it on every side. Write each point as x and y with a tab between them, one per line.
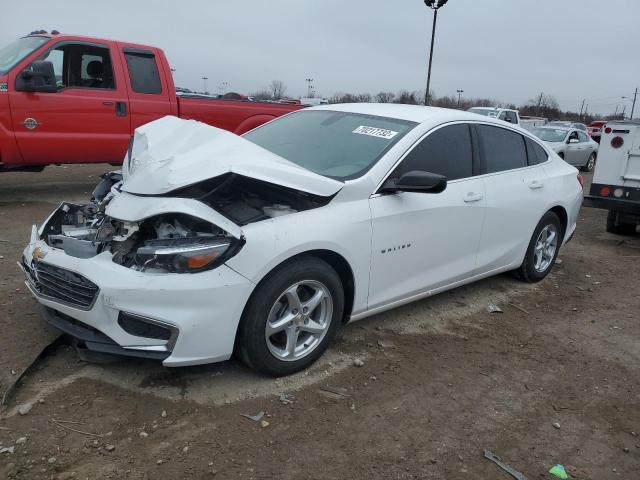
40	77
573	140
416	181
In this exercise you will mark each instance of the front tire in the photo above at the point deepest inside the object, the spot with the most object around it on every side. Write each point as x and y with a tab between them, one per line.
291	317
542	250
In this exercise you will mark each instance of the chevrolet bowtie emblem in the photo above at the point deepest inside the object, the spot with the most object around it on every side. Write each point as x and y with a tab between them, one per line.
38	253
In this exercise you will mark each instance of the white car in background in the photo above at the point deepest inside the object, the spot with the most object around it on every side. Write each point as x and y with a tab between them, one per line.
266	245
572	145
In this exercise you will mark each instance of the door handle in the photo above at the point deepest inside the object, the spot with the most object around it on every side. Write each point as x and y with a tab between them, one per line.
108	104
473	197
535	185
121	109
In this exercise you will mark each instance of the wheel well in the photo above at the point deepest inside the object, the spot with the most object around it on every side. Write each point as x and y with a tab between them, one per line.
562	215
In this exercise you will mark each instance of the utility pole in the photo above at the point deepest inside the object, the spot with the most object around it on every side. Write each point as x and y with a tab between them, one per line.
585	112
460	92
435	6
582	107
633	108
204	81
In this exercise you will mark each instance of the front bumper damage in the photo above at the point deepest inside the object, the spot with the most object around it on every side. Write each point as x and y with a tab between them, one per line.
200	311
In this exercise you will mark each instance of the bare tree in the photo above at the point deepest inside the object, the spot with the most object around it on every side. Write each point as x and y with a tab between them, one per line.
277	89
385	97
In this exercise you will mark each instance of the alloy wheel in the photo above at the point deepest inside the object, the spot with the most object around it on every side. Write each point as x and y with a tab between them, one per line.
545	249
299	320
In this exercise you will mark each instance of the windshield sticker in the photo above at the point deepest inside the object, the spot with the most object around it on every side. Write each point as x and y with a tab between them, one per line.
3	87
375	132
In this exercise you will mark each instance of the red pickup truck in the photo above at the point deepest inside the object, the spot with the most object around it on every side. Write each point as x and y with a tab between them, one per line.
76	99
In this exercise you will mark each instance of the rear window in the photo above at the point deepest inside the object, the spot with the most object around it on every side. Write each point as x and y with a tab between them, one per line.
340	145
503	149
143	72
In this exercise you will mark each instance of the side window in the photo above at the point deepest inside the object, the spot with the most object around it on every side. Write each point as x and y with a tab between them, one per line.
56	57
503	149
511	117
535	152
583	137
82	66
447	151
143	71
574	136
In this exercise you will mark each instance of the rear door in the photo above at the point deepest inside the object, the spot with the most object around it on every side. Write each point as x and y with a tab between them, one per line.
515	184
149	95
80	122
423	241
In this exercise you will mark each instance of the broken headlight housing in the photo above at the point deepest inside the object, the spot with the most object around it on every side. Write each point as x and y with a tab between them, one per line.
185	255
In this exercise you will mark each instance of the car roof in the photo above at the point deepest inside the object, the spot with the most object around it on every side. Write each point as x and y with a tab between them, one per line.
412	113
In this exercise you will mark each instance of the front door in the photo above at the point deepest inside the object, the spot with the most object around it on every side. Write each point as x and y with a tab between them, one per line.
574	150
85	120
423	241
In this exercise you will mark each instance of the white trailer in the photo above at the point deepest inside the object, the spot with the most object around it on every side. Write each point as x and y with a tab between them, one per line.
616	179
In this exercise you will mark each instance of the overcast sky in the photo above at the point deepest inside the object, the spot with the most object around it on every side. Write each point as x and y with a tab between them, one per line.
509	50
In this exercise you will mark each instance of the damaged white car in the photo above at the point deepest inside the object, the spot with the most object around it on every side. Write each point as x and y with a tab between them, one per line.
266	244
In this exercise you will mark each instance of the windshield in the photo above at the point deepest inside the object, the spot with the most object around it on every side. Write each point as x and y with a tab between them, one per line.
550	134
16	51
487	112
338	145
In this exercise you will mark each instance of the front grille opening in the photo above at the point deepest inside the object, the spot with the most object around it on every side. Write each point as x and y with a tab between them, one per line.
140	328
61	284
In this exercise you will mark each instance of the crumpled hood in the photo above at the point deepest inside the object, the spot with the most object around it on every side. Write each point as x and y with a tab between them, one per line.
171	153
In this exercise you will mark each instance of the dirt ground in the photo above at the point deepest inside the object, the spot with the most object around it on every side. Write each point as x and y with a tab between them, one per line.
552	379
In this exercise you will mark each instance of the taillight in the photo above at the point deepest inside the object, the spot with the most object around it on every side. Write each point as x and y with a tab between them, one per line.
605	191
581	181
617	142
607	130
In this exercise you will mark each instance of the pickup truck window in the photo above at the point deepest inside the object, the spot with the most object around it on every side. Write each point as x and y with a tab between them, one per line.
81	66
143	71
13	53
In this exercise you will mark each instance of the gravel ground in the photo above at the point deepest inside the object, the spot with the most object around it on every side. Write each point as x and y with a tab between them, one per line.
552	379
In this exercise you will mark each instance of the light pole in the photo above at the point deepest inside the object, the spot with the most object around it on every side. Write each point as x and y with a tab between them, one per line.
309	87
204	81
434	5
460	92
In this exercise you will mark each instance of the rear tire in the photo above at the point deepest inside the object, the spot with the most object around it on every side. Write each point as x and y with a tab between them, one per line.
542	250
615	226
591	163
291	317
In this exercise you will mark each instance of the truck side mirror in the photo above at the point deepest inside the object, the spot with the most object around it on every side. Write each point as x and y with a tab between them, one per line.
40	77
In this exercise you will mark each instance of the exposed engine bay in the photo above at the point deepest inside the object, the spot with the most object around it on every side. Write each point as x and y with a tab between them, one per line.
171	242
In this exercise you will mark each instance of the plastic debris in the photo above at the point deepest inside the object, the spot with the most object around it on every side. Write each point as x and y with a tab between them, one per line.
335	390
558	472
493	308
256	418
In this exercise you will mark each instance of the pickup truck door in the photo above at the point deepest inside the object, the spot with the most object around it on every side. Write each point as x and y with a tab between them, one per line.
151	93
86	120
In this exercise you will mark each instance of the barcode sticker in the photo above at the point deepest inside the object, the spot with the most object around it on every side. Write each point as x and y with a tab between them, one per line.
375	132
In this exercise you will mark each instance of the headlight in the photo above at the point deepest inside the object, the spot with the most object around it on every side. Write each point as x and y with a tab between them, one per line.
185	254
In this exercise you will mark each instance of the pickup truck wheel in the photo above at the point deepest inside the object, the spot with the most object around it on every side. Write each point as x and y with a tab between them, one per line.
618	228
291	317
542	250
591	163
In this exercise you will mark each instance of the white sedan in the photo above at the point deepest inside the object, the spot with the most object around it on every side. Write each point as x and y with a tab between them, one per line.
265	245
